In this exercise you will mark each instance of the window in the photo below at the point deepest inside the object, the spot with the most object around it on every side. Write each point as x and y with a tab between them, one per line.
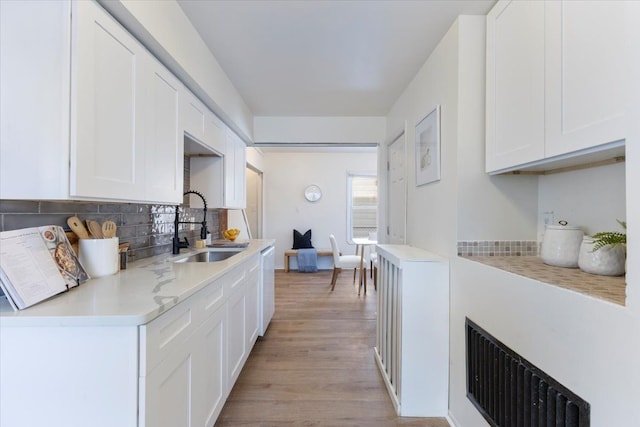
362	215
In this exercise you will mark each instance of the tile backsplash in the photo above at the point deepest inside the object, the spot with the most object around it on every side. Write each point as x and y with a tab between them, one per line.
497	248
149	228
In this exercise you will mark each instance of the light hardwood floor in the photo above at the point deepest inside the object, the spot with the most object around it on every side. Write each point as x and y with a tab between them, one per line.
315	365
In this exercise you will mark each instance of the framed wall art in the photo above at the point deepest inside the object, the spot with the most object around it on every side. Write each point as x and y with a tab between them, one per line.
428	148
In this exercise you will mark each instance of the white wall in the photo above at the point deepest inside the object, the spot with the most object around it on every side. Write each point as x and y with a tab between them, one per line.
430	223
319	129
587	344
165	30
484	207
489	207
591	198
633	161
255	158
287	174
590	346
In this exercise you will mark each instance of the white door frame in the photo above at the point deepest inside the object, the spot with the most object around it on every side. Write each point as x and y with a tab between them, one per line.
400	139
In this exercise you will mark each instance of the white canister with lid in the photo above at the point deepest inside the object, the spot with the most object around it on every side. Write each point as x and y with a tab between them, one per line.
561	245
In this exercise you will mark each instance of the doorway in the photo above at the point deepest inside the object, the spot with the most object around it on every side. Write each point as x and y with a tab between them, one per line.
254	202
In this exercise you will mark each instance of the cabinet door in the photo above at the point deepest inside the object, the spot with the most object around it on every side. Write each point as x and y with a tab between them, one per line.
252	292
214	133
107	138
35	60
267	290
236	334
192	115
515	84
234	172
163	143
168	393
211	369
585	72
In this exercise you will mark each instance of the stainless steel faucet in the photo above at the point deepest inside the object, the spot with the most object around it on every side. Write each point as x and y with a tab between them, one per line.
177	243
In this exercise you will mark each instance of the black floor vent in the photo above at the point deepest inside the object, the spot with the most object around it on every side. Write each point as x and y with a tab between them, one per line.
511	392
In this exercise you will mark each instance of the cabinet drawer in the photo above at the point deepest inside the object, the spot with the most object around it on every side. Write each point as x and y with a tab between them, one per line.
165	333
234	280
210	299
253	267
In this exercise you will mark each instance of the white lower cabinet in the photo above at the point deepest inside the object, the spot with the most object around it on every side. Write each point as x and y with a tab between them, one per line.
236	341
189	387
252	292
175	371
68	376
191	356
168	392
212	369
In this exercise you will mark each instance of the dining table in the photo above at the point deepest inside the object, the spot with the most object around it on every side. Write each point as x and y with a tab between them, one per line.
361	243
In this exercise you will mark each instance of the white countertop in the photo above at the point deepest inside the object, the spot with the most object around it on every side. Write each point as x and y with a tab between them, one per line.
131	297
404	253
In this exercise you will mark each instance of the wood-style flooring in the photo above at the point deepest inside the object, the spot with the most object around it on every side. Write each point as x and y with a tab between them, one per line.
315	364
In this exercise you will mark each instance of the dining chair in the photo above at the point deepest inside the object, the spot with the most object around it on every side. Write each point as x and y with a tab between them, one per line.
374	270
342	261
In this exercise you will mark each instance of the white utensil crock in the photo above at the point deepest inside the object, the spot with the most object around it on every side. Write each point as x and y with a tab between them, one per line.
561	245
99	257
607	261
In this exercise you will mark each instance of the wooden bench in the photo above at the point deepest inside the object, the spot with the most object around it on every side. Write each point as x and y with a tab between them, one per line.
294	253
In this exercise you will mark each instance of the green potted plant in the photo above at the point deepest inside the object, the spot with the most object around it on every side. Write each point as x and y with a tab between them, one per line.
604	253
604	238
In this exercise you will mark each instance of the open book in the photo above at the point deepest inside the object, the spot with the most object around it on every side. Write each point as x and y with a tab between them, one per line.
37	263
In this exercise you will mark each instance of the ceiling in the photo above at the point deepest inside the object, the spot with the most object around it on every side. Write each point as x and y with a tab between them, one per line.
320	57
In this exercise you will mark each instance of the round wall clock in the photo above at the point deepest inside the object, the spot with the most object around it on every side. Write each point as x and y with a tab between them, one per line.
312	193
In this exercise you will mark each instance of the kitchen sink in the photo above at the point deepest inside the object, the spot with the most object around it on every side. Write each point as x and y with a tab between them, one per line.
209	256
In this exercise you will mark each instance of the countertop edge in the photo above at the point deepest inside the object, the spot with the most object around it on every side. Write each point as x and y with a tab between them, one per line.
48	313
606	289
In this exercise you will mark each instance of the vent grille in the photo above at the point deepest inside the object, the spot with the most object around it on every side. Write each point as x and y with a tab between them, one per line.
511	392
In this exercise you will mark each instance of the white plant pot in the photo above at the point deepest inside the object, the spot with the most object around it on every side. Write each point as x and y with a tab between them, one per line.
609	260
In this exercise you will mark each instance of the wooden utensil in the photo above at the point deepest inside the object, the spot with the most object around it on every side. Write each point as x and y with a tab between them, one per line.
72	237
109	229
78	227
95	229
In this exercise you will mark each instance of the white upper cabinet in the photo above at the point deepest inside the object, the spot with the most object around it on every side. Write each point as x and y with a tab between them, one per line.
214	133
200	124
235	172
35	61
515	84
555	82
585	74
192	115
164	148
107	139
126	142
87	111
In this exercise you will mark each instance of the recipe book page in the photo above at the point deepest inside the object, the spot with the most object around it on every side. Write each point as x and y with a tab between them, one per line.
37	263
